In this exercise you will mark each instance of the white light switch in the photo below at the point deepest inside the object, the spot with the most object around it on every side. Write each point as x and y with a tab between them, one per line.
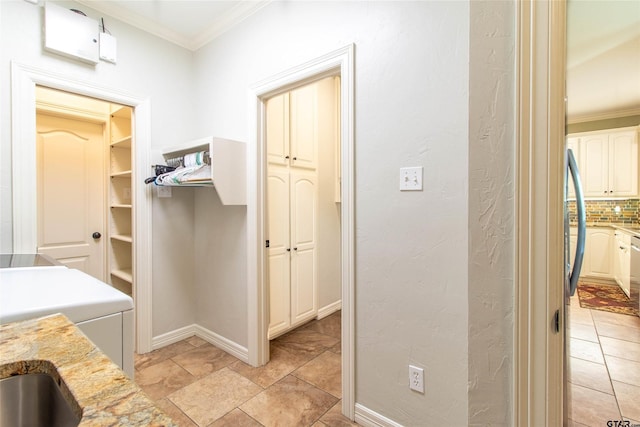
411	179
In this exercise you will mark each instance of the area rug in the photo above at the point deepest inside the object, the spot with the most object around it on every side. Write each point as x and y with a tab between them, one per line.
606	298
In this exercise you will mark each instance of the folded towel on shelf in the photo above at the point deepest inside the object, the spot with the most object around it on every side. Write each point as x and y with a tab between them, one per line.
200	174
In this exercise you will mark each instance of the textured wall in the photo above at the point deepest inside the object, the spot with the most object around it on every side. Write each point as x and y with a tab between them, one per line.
148	67
411	108
491	212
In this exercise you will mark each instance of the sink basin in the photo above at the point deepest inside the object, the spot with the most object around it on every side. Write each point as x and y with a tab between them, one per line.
34	400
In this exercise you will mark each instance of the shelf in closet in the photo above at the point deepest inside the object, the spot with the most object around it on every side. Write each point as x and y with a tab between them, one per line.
122	238
122	143
122	174
125	274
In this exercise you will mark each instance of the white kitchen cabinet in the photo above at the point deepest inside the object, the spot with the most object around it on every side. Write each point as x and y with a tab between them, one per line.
598	253
291	130
573	143
608	162
622	260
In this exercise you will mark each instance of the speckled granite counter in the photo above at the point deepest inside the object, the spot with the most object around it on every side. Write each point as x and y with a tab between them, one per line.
105	396
629	228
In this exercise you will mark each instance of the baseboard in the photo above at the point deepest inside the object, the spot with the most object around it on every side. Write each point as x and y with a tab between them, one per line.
173	336
219	341
328	310
223	343
368	418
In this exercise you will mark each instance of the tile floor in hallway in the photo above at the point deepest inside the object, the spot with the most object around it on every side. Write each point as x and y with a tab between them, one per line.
604	366
198	384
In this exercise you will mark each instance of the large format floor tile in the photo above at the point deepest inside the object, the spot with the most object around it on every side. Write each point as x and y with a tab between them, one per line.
620	348
586	350
628	399
589	374
289	402
591	407
623	370
323	372
197	384
163	378
211	397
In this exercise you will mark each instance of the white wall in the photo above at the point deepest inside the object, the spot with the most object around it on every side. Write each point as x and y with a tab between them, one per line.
434	278
147	67
328	243
491	212
411	248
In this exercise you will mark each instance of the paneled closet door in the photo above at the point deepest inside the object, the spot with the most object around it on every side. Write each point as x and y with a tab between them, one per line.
303	240
277	120
279	251
304	127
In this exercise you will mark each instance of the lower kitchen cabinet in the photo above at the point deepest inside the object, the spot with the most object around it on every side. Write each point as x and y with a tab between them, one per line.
622	260
598	253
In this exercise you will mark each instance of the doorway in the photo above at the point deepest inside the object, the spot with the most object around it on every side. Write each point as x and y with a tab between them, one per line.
24	80
303	204
71	194
336	63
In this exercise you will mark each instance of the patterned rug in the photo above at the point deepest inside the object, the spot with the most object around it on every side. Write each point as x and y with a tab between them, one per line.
606	298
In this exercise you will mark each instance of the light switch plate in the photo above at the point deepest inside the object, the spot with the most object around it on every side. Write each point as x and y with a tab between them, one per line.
411	179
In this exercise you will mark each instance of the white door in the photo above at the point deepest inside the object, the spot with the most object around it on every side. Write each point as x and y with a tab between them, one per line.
279	251
70	175
277	129
303	242
304	127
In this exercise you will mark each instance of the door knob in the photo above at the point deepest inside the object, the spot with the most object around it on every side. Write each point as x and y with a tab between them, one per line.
96	235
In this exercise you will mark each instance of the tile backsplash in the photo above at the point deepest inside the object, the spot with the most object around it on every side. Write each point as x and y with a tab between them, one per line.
606	211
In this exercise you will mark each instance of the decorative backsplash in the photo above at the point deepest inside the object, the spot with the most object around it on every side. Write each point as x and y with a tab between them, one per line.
607	211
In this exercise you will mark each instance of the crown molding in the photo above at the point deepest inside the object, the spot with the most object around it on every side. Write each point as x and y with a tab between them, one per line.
218	26
230	19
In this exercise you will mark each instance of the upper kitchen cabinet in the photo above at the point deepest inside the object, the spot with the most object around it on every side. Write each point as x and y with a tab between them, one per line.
608	162
292	128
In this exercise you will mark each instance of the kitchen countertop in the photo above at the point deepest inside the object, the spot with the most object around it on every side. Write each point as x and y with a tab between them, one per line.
632	229
54	345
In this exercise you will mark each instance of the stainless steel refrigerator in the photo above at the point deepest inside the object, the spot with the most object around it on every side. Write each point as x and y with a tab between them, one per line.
572	266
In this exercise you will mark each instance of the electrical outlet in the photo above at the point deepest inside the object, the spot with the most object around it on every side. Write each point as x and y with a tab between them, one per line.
416	378
411	179
163	191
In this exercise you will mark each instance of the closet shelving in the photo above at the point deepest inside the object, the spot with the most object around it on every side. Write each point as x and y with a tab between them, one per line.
227	171
121	201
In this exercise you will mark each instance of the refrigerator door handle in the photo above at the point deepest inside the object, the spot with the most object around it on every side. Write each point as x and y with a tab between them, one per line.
582	224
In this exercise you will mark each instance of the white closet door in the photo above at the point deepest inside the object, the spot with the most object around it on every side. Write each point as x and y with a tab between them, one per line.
279	250
71	192
304	134
303	241
277	122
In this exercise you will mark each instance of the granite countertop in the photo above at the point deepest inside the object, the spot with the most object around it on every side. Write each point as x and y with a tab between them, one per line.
633	229
98	390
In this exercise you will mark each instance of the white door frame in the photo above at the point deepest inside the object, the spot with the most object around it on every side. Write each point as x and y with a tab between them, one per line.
540	115
339	62
24	79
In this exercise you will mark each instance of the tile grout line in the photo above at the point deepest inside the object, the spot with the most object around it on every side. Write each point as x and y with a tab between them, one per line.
606	365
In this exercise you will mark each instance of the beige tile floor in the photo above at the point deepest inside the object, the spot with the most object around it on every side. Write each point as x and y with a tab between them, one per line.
198	384
604	366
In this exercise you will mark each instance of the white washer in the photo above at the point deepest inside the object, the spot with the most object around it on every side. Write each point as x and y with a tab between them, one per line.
103	313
